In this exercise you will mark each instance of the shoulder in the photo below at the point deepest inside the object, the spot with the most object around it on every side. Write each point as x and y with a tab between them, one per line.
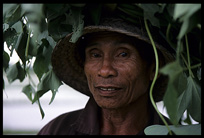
62	124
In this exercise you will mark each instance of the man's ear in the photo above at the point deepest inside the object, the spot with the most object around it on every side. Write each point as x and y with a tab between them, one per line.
152	72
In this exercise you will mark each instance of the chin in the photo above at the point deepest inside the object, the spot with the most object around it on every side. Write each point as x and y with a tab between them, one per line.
108	103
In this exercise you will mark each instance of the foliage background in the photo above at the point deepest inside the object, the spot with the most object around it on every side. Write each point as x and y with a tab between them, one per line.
33	30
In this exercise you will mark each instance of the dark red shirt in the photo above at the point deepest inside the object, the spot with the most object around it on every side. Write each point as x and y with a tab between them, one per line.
84	122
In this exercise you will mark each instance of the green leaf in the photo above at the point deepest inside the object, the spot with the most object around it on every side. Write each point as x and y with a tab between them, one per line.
10	37
187	129
8	7
194	90
12	73
13	35
35	29
21	46
170	9
43	59
21	72
3	84
15	72
6	60
20	41
57	29
156	130
131	10
33	48
183	102
5	27
75	18
178	130
39	66
28	90
35	10
170	101
184	11
186	14
176	86
48	82
12	13
45	38
47	51
149	13
189	24
18	26
55	10
57	26
191	94
95	12
51	41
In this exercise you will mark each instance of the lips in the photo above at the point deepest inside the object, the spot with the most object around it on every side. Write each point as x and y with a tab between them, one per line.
108	88
108	91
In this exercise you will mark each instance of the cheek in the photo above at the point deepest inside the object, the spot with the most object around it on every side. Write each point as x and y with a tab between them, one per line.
137	80
90	72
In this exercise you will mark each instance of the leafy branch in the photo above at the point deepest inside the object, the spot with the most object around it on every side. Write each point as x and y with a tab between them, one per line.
155	77
183	91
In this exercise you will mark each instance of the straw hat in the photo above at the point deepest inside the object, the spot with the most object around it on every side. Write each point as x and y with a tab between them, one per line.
67	60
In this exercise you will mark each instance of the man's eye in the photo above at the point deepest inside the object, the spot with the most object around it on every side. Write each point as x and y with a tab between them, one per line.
123	54
95	55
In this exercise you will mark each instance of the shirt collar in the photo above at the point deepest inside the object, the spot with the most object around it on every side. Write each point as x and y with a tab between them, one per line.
88	121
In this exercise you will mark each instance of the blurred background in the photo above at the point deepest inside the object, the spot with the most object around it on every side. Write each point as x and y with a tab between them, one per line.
22	117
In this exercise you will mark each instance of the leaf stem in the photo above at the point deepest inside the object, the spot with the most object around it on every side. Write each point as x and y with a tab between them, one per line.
27	44
188	57
168	37
195	66
167	32
186	63
41	109
155	77
191	67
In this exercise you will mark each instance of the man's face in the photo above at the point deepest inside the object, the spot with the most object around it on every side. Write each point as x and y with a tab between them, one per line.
116	74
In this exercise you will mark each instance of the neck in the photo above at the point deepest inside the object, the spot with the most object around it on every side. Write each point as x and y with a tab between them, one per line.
128	120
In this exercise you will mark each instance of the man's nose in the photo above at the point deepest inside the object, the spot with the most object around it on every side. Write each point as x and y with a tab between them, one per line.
107	69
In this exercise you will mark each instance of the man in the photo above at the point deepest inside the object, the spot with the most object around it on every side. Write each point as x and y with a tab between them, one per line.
114	64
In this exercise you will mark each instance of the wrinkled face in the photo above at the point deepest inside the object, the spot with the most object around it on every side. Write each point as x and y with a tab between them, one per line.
116	74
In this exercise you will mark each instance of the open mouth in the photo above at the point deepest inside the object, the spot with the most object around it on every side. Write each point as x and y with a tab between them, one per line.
108	88
108	91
